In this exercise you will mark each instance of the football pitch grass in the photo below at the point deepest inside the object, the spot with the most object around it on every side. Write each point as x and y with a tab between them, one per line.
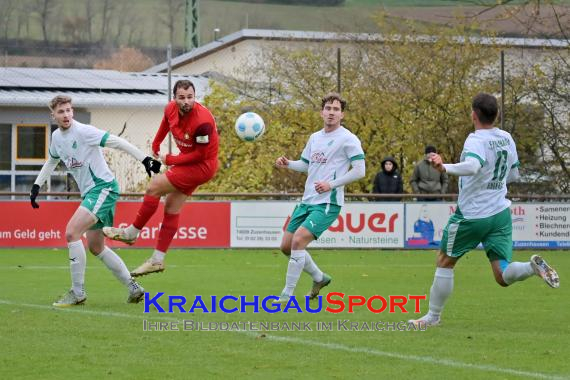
487	332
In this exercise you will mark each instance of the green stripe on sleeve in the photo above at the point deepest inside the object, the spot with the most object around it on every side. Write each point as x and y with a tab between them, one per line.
516	165
304	160
357	157
52	155
481	161
104	139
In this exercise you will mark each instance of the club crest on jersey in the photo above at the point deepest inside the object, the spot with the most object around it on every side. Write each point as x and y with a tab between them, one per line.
318	158
72	163
74	145
186	136
182	143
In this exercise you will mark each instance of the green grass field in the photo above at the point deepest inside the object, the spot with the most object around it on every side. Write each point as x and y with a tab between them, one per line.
487	332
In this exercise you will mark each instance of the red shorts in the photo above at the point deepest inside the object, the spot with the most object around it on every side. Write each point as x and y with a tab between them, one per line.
186	178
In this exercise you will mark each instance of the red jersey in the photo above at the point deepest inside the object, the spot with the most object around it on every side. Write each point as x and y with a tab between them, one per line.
194	133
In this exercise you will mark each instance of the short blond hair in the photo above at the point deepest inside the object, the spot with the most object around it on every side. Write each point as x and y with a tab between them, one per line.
60	99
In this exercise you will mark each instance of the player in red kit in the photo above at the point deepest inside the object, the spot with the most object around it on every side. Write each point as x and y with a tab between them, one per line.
195	133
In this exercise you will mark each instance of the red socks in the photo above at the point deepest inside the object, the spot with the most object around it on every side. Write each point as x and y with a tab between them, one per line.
169	223
167	231
146	211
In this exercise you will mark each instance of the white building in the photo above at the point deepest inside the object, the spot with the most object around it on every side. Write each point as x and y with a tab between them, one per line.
230	53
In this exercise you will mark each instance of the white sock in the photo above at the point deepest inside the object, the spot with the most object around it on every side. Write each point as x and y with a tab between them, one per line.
157	256
132	231
77	260
440	290
294	269
312	268
115	265
517	271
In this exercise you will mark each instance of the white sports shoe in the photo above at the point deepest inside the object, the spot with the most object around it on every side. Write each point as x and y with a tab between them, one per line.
119	234
283	298
148	267
70	299
545	271
136	292
425	321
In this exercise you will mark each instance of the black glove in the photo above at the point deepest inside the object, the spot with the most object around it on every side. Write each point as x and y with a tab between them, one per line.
151	165
34	194
155	167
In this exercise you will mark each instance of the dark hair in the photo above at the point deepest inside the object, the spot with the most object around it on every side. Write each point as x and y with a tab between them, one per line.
430	149
331	97
58	100
184	84
485	107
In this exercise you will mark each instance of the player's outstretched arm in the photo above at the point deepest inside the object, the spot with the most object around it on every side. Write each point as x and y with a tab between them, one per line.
46	171
284	163
149	163
469	167
299	166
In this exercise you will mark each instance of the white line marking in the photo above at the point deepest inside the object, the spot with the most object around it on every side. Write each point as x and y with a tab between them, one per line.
35	267
330	346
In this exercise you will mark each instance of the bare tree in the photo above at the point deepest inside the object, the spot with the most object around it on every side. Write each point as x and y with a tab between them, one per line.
172	17
548	85
548	18
125	10
5	16
551	90
107	8
24	9
89	17
44	9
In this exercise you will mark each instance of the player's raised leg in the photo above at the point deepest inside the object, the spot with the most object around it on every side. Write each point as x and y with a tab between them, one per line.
499	248
159	185
510	273
172	208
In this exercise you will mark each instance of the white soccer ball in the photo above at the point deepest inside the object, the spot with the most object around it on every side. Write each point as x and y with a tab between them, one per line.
249	126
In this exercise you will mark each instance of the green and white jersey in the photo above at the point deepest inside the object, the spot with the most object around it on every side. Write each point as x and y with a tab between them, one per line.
79	147
329	156
483	194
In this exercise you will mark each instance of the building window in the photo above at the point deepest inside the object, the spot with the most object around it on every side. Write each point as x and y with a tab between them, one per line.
5	182
5	146
31	142
24	182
